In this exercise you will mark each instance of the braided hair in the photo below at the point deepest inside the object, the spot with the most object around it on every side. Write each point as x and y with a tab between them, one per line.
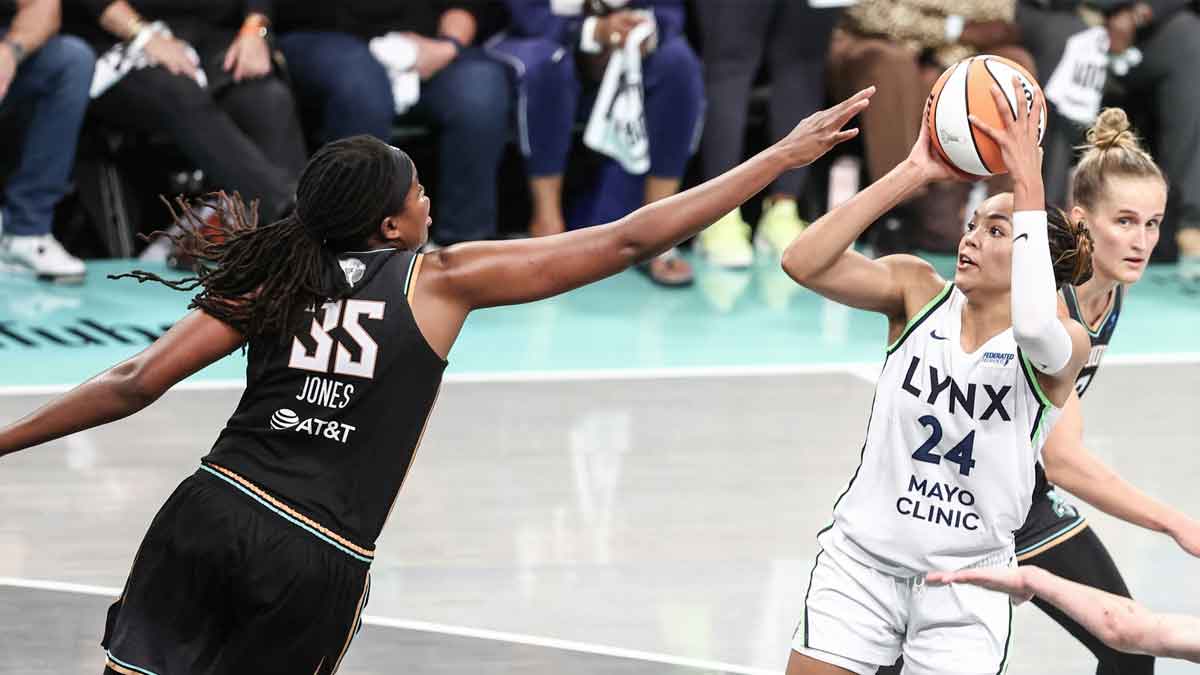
1070	248
259	279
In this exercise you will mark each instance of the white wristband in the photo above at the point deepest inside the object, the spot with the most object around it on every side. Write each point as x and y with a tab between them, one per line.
587	37
955	23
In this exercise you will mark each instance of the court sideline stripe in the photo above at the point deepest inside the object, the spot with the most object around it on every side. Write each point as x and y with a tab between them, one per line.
460	631
864	370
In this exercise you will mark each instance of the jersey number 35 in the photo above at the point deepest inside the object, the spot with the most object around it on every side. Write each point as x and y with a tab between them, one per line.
343	362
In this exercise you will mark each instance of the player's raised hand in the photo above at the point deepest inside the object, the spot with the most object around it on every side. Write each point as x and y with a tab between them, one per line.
928	162
822	130
1017	139
1010	580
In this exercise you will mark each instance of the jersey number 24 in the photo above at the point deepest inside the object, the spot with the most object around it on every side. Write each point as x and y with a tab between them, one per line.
343	362
960	454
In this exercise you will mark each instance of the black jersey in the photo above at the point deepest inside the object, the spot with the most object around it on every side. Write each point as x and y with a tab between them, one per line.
331	419
1100	338
1050	515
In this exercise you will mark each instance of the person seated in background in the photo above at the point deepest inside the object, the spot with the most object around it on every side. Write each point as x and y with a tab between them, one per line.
1147	53
199	72
561	49
734	38
902	46
355	64
44	80
1121	623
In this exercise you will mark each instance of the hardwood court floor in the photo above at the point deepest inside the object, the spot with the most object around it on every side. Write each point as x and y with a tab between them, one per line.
672	516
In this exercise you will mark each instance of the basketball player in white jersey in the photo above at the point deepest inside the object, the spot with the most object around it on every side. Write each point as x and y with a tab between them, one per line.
975	376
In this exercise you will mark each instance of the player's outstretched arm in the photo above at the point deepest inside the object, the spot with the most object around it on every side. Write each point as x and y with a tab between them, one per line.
1119	622
821	259
1071	465
193	343
485	274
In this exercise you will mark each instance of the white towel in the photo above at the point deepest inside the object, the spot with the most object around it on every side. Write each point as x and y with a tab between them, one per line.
398	54
617	126
125	57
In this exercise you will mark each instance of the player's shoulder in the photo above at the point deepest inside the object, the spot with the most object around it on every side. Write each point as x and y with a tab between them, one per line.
918	280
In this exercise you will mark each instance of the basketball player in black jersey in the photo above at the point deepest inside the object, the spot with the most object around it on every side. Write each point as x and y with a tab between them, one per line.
1121	194
258	563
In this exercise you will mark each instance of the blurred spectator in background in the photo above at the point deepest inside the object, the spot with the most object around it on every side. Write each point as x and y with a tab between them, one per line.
355	64
902	46
562	49
44	81
1148	55
199	72
734	38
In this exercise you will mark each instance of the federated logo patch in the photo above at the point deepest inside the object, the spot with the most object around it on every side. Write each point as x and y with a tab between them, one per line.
998	359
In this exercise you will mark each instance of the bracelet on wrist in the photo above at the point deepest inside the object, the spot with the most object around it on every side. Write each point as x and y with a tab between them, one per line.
255	25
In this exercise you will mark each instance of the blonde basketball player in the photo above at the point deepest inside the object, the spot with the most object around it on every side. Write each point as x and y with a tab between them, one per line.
976	374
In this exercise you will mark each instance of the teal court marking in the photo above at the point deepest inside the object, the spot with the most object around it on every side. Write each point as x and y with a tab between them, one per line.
754	320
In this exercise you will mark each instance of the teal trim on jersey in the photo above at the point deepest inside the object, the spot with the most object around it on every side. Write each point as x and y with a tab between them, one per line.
920	316
1046	540
287	517
1007	642
130	666
1081	320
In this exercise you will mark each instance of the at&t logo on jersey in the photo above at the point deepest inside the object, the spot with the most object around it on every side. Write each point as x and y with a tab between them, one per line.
998	359
285	419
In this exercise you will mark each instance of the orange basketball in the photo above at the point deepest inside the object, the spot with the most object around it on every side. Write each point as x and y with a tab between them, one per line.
965	89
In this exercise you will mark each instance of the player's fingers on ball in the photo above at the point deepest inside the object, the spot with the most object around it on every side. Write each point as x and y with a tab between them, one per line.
1019	94
984	127
1001	104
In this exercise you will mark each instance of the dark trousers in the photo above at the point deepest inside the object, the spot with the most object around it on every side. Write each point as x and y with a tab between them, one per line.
50	91
1165	78
244	137
345	91
736	36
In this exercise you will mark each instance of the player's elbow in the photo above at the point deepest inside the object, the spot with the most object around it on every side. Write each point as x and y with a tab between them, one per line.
1030	335
131	385
1124	627
800	267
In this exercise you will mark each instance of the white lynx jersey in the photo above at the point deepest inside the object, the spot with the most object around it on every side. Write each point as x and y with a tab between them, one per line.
947	470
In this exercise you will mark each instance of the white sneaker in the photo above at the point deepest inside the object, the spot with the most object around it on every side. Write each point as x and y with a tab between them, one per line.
42	254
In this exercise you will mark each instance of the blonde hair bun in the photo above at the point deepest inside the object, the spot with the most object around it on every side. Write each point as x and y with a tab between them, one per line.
1112	130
